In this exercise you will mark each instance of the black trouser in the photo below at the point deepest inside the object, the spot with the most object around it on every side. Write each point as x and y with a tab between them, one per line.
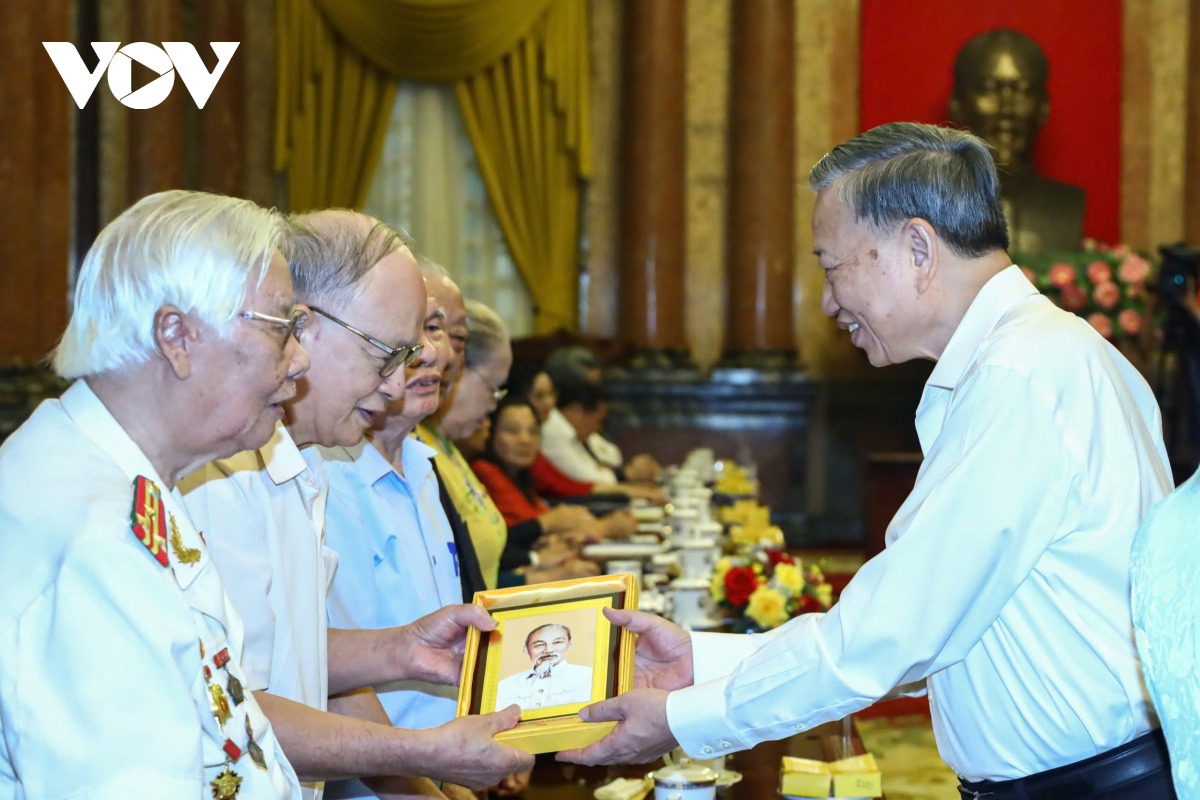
1137	770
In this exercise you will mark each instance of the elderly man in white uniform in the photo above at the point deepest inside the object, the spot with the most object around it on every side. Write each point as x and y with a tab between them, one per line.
1005	584
266	511
553	681
120	651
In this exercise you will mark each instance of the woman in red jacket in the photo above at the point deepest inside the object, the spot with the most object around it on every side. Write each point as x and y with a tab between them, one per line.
504	470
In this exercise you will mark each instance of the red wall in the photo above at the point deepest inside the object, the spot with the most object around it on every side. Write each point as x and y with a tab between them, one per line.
908	49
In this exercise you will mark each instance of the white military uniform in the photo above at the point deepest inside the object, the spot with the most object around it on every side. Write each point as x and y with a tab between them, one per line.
119	674
566	684
265	509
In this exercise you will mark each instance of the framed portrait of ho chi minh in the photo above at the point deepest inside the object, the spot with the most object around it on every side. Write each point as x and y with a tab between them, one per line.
553	653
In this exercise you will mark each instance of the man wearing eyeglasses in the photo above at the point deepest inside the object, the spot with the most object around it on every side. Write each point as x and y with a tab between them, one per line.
264	511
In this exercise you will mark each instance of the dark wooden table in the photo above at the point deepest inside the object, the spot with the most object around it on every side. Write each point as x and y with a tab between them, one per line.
759	767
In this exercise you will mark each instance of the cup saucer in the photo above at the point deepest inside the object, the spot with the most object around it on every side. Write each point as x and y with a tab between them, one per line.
727	778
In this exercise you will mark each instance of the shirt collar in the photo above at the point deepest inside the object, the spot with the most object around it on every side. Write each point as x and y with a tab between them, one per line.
1005	289
557	422
372	466
92	416
283	460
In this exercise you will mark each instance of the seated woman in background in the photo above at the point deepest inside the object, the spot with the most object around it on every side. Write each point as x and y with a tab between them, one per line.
531	558
504	468
534	385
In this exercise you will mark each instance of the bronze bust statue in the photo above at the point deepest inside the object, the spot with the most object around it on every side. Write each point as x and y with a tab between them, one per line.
1000	95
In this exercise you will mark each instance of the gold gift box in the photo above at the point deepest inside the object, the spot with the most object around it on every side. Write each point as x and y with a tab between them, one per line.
850	777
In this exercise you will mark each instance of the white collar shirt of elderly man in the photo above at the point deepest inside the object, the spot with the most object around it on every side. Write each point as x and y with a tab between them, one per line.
901	291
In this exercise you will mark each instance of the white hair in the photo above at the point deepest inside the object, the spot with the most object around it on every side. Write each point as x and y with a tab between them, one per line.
191	250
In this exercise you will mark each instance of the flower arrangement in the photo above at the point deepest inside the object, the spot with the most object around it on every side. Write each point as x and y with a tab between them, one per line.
1107	286
765	588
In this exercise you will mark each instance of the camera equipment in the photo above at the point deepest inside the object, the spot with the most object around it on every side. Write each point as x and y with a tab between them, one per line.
1178	390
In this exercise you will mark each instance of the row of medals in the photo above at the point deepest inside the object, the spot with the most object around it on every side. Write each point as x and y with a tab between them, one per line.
227	784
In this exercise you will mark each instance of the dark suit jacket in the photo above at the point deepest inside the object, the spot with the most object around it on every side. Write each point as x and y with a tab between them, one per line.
469	572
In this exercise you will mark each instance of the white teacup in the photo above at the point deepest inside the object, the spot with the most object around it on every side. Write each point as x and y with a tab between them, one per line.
689	602
625	565
683	524
684	783
709	530
696	558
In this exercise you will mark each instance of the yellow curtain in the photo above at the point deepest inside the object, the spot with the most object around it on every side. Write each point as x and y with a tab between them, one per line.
520	69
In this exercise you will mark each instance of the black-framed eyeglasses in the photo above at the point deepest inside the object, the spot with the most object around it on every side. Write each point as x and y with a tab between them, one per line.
289	325
396	356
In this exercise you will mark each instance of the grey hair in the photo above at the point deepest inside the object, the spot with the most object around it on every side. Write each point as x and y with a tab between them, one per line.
567	364
486	334
903	170
328	257
196	251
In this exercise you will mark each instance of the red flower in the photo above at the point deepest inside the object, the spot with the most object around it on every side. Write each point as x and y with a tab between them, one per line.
1101	323
740	583
1134	269
1073	298
776	557
1130	321
1062	275
1099	272
1107	294
809	604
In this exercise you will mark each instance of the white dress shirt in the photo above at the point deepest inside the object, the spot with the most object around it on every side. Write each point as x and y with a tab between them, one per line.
103	650
567	684
397	560
1005	582
1165	573
561	445
264	516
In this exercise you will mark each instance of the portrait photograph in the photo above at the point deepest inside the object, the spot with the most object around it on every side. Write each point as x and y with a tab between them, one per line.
549	663
553	652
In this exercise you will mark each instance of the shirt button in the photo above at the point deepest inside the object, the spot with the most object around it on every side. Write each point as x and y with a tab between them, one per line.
707	750
311	483
726	745
541	691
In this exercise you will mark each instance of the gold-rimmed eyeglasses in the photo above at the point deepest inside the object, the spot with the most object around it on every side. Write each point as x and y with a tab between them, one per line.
289	325
397	356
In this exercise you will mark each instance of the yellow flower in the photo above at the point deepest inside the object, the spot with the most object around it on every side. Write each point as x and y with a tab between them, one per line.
767	607
824	593
717	587
790	577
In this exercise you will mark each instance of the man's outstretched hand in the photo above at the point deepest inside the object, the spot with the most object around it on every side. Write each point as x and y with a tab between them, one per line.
664	650
641	735
431	648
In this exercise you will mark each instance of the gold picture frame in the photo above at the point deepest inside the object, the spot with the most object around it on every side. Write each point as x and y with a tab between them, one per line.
500	666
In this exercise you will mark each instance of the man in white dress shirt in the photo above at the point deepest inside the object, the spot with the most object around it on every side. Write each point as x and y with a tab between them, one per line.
553	681
1004	588
265	510
120	651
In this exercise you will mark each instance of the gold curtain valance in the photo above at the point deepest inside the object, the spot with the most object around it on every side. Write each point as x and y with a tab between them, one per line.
520	69
433	40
